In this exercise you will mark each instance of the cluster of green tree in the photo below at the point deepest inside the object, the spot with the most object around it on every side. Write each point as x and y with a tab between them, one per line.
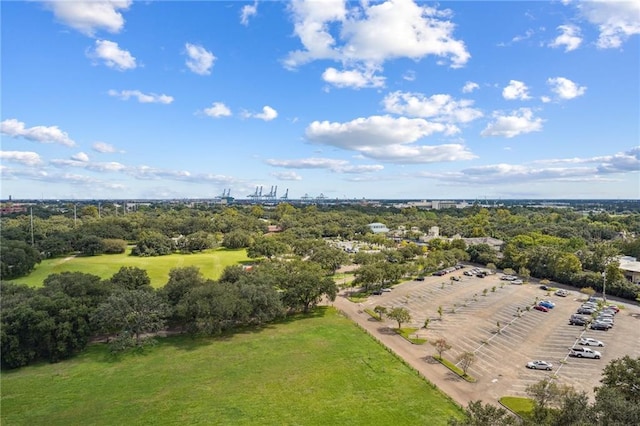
559	244
58	320
617	402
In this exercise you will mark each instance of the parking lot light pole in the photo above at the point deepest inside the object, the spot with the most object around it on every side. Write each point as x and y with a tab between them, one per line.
604	285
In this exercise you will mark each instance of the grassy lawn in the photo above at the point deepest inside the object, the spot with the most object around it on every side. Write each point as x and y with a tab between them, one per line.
315	370
210	262
521	406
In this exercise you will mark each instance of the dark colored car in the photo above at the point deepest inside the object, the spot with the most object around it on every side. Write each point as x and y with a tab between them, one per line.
541	308
600	326
575	320
420	279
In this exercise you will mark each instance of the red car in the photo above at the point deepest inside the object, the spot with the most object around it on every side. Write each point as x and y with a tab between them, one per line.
613	308
541	308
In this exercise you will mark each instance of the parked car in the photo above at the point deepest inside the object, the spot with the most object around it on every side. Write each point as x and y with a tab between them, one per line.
420	279
455	278
517	282
481	275
585	353
613	308
386	290
605	321
561	292
585	311
541	308
468	273
540	365
508	278
377	292
578	320
600	326
547	304
545	287
588	341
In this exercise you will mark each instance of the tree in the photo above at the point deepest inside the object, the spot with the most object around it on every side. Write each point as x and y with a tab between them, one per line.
466	359
268	247
237	239
330	258
18	258
426	323
114	246
546	394
478	414
380	310
153	243
441	346
131	278
91	245
304	284
132	314
401	315
588	291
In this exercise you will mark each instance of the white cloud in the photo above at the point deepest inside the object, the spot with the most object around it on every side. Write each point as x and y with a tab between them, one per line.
545	99
508	126
108	167
217	109
144	98
289	175
103	147
440	107
516	90
373	33
27	158
469	87
386	138
570	38
113	56
267	114
410	75
353	78
565	88
616	20
89	16
338	166
248	11
81	156
200	59
51	134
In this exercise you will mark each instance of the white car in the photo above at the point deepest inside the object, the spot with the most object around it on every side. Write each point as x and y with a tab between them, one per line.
562	293
588	341
540	365
585	353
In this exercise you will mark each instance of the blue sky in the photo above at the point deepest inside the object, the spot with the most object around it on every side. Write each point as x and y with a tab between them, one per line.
374	99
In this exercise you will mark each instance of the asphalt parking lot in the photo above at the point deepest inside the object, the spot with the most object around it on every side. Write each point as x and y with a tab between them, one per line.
471	318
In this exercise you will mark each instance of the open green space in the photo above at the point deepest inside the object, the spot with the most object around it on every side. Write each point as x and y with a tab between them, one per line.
210	262
519	405
314	370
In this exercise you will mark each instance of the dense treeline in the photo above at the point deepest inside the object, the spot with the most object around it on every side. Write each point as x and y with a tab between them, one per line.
60	318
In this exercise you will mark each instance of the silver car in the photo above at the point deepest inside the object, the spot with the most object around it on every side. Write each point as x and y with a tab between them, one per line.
540	365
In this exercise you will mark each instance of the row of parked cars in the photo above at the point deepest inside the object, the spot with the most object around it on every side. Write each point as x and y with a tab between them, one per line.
512	279
448	270
595	314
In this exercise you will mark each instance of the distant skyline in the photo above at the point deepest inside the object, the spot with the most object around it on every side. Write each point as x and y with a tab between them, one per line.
394	99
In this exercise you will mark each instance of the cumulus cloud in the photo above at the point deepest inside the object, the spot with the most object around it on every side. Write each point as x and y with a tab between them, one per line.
112	56
440	107
108	167
565	88
248	11
386	138
570	38
145	98
267	114
27	158
103	147
469	87
355	79
622	162
89	16
81	156
372	33
616	20
516	90
517	123
217	109
43	134
200	60
289	175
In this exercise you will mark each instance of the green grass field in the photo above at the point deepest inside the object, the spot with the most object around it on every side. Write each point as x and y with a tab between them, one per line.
210	262
315	370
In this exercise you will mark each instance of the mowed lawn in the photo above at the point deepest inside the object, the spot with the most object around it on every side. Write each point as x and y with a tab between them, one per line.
210	262
315	370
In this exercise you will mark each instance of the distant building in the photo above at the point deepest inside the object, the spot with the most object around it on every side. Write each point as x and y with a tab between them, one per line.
630	268
12	208
378	228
